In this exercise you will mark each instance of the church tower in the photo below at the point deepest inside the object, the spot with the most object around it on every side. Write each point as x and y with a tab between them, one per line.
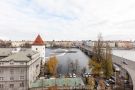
39	46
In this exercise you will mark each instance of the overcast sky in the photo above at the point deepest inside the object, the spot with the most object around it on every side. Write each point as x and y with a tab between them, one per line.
67	19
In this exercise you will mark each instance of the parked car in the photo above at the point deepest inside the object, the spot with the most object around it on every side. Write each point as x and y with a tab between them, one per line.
72	75
124	62
112	77
126	82
86	75
107	83
111	81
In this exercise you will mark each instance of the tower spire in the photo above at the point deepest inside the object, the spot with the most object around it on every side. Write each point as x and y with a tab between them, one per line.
38	41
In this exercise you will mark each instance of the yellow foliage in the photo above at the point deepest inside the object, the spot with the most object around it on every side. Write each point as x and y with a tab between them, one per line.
52	65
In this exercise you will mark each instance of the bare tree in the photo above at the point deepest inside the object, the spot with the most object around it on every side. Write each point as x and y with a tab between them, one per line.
101	63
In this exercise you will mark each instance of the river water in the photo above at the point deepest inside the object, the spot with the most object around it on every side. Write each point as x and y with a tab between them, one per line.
64	59
127	54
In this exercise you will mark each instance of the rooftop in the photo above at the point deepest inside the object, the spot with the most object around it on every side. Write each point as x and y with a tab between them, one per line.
38	41
70	82
22	55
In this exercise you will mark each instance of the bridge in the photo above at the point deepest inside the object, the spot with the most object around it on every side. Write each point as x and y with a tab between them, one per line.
129	67
87	50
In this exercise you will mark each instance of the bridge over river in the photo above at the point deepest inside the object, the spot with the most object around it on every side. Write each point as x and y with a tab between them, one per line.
127	64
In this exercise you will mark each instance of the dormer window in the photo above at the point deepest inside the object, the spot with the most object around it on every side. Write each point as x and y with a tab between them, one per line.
11	62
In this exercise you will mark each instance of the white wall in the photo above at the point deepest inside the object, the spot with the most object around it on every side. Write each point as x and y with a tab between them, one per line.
40	49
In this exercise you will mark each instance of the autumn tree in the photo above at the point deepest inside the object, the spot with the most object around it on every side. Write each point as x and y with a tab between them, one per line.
52	65
91	83
101	62
97	59
107	63
101	85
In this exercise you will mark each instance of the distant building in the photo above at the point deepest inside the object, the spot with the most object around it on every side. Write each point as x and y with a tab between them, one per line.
112	44
19	68
125	44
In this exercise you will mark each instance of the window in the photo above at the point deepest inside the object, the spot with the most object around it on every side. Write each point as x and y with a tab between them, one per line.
1	71
21	63
11	62
1	86
1	78
36	48
22	70
11	78
1	63
22	84
12	71
21	77
11	86
37	66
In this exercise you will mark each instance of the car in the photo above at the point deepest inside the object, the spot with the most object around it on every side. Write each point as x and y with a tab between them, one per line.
74	75
86	75
70	75
107	84
126	82
112	77
111	81
124	62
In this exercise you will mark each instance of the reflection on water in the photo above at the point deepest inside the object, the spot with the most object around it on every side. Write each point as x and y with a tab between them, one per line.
66	58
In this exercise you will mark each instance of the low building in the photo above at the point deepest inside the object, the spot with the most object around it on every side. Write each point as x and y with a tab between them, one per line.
58	84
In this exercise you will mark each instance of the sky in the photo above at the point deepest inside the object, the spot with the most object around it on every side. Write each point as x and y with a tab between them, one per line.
67	19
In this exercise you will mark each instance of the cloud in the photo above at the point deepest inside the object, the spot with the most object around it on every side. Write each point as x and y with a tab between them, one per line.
66	19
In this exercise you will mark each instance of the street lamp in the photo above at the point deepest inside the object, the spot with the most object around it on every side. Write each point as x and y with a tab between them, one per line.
115	78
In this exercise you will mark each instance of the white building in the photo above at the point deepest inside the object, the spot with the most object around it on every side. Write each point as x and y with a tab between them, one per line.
20	67
39	46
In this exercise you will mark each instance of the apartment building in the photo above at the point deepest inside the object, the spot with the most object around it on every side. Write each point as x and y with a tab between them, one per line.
19	68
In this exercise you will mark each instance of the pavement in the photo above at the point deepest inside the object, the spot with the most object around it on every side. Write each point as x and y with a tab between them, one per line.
129	66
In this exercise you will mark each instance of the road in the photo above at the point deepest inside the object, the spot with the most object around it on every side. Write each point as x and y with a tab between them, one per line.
129	66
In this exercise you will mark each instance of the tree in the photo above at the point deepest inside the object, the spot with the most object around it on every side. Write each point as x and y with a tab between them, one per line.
101	85
91	83
5	44
59	69
107	63
96	63
76	66
52	65
26	45
83	70
101	63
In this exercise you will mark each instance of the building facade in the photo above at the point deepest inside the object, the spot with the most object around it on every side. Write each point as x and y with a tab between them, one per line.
19	68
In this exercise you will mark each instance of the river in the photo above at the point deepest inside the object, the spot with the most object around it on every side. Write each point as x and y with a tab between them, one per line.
64	59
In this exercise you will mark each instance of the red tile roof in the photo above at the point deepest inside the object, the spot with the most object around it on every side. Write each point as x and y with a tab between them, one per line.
38	41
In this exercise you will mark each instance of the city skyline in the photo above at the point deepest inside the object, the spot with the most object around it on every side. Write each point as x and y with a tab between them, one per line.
67	19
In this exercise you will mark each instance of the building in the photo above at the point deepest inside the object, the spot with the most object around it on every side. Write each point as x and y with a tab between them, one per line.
39	46
58	84
19	67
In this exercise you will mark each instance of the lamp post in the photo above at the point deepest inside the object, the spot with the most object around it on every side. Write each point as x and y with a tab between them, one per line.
42	84
115	78
124	70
